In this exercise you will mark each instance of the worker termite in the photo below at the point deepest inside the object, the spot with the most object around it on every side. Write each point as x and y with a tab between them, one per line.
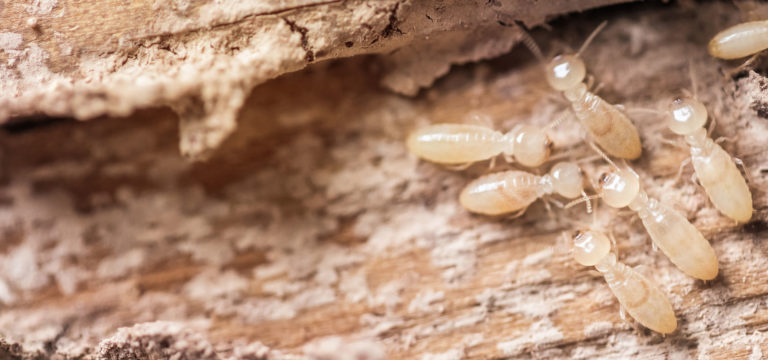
514	190
640	297
609	127
680	241
456	144
740	40
714	167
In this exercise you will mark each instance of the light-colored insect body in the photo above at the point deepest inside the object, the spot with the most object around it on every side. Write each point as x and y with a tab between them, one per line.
608	126
463	143
513	190
740	40
714	167
640	297
677	238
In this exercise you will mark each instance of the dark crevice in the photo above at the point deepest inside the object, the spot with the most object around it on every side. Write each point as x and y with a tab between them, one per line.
21	125
309	53
761	108
392	27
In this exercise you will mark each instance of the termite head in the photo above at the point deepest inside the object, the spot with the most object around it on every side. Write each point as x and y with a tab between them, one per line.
565	72
686	115
567	179
530	146
589	247
619	187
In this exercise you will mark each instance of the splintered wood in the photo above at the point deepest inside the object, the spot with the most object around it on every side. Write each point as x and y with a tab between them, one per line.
313	232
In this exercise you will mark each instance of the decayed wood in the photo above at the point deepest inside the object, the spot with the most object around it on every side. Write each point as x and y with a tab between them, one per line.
89	58
312	232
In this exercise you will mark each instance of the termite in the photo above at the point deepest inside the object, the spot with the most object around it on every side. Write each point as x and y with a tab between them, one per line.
607	125
714	167
640	297
457	144
514	190
740	40
680	241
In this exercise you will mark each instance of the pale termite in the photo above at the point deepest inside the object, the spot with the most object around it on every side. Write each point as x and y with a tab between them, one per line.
607	125
714	167
640	297
740	40
456	144
514	190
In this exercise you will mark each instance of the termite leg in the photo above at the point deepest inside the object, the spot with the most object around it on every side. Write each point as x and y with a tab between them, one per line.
594	273
633	220
623	314
558	157
492	163
712	124
695	179
743	66
459	167
588	159
614	247
517	214
509	159
556	203
683	164
590	81
673	143
591	84
642	269
744	167
724	139
480	119
549	210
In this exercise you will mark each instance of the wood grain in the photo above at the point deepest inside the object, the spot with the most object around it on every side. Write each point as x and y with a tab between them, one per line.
313	233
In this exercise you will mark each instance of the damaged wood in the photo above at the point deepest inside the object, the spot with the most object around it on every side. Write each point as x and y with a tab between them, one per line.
312	233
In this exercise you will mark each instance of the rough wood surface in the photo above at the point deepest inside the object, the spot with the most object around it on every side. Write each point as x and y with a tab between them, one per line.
312	232
202	58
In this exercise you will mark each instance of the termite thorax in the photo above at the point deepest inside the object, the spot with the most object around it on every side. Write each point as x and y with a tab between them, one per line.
607	263
699	142
576	93
545	185
640	202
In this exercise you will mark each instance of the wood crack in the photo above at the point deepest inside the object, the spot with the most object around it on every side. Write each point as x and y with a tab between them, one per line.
309	53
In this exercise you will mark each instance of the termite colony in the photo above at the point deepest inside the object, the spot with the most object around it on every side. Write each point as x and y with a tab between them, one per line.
612	134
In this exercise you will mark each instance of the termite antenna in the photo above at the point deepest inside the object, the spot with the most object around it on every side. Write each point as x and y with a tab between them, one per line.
583	199
528	41
693	80
605	157
591	37
643	110
586	199
558	120
594	213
